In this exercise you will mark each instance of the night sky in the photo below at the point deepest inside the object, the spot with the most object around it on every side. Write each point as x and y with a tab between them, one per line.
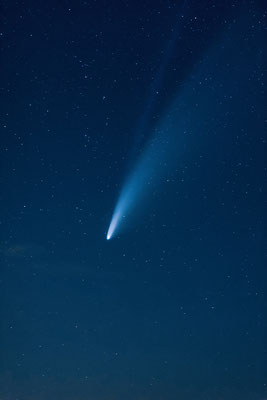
166	97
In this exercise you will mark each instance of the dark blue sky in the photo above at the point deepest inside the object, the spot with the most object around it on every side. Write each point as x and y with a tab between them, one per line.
174	307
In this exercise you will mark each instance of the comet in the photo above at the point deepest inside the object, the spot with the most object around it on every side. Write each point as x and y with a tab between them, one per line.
146	170
113	224
192	125
144	177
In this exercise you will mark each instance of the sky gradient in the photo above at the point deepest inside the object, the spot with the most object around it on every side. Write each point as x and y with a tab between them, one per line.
156	108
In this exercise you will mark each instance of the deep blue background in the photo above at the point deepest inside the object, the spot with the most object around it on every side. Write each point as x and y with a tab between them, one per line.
175	307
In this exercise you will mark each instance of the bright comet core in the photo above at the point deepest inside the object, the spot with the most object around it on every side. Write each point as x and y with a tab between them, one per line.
113	224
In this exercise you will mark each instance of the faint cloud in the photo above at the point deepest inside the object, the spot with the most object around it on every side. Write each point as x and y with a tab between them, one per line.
29	250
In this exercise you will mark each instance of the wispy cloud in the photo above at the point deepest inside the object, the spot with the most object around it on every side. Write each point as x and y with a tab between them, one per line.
29	250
